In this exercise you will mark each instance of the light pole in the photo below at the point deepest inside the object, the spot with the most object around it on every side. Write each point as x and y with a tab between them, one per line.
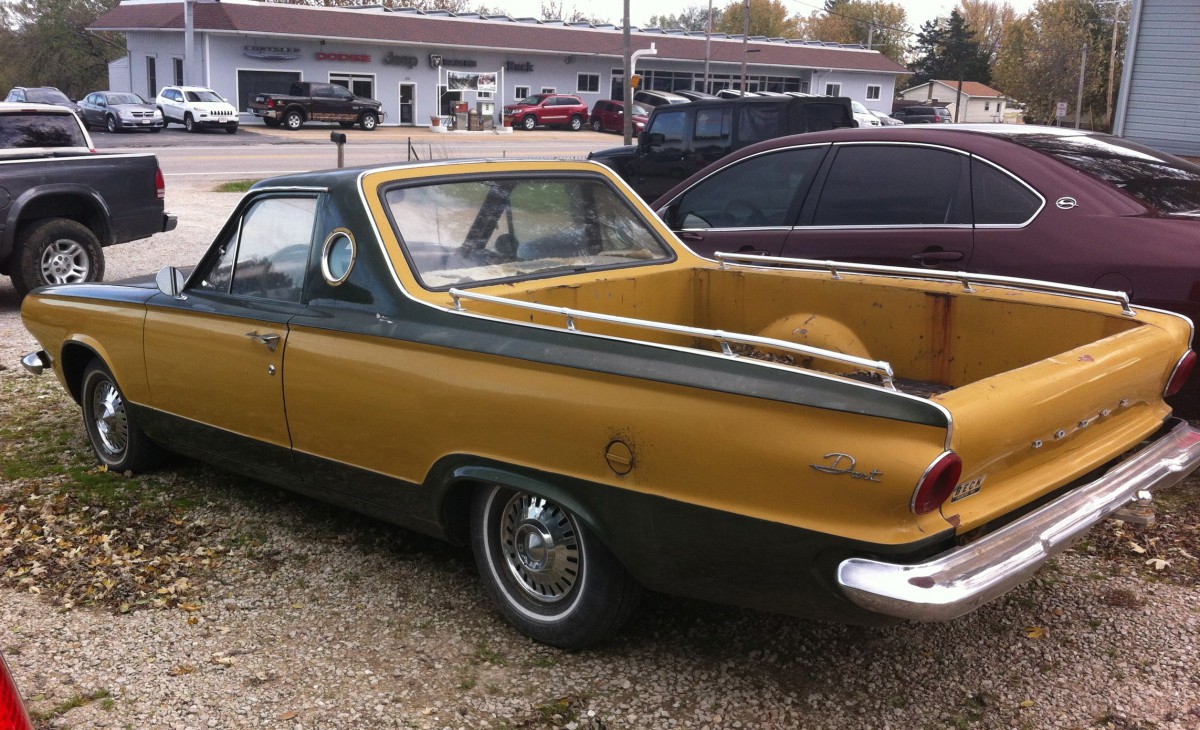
708	46
745	42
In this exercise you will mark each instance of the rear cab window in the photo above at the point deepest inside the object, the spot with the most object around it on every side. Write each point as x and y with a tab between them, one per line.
26	130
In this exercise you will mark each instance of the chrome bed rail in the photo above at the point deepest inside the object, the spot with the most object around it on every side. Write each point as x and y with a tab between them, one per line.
883	369
966	278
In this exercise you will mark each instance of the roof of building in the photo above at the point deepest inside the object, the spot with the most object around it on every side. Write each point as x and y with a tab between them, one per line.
471	30
969	88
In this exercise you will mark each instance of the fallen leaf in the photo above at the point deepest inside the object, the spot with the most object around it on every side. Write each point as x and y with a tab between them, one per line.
1135	547
1158	563
1028	703
288	715
1035	632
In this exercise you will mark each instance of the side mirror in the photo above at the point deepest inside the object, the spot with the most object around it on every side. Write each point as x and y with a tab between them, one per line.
170	281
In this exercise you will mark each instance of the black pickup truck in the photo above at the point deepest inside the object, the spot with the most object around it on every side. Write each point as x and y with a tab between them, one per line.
61	202
309	101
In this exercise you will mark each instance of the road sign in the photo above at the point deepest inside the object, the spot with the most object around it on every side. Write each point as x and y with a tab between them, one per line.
1061	111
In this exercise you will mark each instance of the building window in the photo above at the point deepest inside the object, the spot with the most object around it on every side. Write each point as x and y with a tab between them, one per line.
483	95
520	92
151	77
587	84
987	106
358	84
803	87
178	64
833	89
548	90
873	93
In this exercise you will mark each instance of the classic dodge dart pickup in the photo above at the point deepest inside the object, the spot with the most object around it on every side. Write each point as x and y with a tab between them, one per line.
520	356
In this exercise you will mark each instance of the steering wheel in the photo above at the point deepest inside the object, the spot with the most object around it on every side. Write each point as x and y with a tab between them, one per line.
740	212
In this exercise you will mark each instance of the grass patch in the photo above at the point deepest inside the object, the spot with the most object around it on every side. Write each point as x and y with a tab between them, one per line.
235	186
43	716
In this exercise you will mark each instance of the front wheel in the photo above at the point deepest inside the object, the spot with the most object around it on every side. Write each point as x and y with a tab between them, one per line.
549	576
576	123
56	251
164	116
110	123
231	129
368	122
189	124
271	121
529	122
116	439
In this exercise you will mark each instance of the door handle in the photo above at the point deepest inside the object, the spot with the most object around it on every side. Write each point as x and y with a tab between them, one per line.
270	340
692	236
935	257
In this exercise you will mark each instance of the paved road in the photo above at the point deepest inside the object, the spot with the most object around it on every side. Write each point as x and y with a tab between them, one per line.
256	151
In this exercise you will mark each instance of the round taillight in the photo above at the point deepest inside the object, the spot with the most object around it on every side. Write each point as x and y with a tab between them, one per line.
1183	371
937	483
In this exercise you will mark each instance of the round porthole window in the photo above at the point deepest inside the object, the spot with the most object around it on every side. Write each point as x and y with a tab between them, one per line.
337	257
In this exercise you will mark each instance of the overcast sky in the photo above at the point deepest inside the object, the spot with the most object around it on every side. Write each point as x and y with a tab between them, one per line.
919	11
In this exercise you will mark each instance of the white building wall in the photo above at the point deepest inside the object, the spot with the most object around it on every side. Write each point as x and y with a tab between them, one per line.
1161	86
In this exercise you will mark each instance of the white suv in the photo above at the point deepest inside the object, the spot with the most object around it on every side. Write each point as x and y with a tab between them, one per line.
195	107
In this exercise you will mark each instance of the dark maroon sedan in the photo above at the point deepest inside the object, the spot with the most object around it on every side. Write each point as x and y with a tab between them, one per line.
1033	202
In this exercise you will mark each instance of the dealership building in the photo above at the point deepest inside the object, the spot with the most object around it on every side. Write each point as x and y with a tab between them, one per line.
415	62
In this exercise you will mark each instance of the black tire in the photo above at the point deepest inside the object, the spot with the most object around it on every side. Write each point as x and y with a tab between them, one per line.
529	122
547	573
576	123
164	116
158	129
271	121
231	129
189	124
597	125
116	439
293	119
368	122
55	251
346	125
110	124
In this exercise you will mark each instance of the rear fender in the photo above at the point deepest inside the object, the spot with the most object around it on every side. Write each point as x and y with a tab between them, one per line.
59	200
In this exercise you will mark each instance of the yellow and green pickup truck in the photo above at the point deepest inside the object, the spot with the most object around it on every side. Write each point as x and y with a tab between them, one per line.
519	355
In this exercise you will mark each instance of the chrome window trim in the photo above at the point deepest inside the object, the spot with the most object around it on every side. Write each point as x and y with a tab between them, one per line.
1027	186
327	249
907	226
745	228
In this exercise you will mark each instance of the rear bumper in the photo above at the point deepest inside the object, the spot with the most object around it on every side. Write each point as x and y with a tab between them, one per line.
169	222
961	580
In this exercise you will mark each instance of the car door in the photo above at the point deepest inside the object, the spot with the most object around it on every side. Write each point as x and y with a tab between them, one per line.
749	206
88	109
172	104
215	355
890	204
658	165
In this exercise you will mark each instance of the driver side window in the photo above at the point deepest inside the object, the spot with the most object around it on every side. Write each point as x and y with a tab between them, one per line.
267	256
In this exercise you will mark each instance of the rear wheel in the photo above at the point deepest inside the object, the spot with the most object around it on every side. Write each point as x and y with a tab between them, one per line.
56	251
576	123
529	122
368	122
231	129
116	439
293	120
346	125
549	576
271	121
597	125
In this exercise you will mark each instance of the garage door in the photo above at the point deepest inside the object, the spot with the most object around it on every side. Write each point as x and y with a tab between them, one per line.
263	82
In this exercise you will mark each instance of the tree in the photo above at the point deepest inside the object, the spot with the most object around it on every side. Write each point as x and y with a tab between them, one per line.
989	20
559	11
768	18
692	18
46	43
882	25
947	50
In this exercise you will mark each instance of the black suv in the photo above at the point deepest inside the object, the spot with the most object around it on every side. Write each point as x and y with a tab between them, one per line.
923	115
681	139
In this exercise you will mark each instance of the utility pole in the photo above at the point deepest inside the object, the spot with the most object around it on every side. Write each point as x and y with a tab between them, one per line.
745	42
1112	66
1079	95
708	46
627	91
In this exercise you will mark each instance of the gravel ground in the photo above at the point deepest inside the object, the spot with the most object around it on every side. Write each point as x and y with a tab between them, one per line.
316	618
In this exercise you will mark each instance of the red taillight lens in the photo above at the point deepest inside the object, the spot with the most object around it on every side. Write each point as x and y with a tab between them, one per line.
1183	371
160	184
270	103
12	712
937	484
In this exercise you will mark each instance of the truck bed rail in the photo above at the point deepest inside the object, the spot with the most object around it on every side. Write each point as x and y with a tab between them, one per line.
966	278
723	338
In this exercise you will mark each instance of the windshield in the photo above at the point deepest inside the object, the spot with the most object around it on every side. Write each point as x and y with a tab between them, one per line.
203	96
532	100
639	109
859	108
1161	181
46	96
125	99
482	231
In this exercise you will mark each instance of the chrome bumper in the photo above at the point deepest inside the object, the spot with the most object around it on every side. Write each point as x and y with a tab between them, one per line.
961	580
36	362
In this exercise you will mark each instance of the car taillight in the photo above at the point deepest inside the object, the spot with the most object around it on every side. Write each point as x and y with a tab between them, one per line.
12	711
270	103
1183	371
160	184
937	483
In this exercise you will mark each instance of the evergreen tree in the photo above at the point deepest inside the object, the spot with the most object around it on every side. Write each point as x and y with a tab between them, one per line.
948	50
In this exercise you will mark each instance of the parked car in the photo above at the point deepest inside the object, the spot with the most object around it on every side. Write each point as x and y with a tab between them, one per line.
317	102
12	710
519	356
681	139
734	94
695	95
609	116
550	110
42	95
61	202
651	98
196	108
863	115
923	115
1078	207
885	120
119	110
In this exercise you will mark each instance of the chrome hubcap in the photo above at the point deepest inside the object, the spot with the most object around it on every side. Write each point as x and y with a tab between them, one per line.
541	547
112	424
64	262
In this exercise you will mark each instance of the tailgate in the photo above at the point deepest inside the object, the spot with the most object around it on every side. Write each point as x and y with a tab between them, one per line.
1029	431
